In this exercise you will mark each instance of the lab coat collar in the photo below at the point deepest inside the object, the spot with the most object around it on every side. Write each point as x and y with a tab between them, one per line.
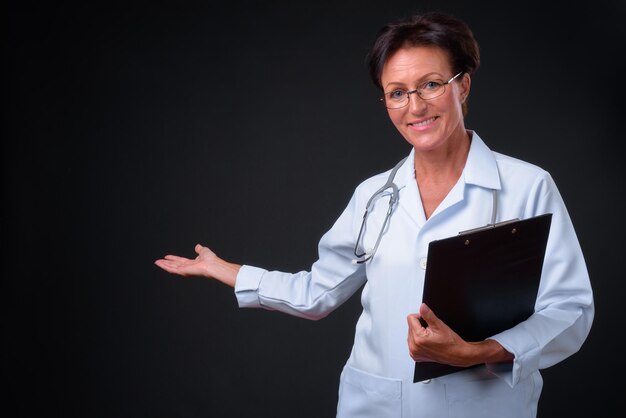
481	168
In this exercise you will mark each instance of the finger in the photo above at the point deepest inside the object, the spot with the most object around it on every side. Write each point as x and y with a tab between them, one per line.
168	266
414	321
428	315
415	336
176	258
198	248
169	262
416	330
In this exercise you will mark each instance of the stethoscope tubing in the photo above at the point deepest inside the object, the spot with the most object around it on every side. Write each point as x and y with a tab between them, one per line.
394	198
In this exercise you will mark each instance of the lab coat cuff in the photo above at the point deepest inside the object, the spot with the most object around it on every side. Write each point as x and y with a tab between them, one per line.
526	356
247	286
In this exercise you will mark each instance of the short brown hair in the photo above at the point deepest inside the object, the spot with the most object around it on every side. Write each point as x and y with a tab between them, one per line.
429	29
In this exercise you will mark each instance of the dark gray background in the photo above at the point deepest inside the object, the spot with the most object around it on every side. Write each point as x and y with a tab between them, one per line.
135	131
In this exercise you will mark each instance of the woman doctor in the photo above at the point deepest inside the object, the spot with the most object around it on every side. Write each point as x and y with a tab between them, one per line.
424	66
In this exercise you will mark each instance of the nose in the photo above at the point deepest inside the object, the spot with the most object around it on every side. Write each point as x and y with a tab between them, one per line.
416	103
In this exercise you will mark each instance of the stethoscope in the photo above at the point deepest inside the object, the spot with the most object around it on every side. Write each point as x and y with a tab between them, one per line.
394	197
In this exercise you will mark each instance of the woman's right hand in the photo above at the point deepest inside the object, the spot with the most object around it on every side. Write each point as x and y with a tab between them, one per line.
206	264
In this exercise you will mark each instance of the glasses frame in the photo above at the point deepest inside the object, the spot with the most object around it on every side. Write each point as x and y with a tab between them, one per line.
417	91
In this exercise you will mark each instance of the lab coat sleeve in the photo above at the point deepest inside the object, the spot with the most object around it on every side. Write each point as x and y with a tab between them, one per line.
313	294
564	309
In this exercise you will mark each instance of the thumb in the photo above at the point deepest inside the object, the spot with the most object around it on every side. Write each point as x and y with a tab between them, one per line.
198	248
428	315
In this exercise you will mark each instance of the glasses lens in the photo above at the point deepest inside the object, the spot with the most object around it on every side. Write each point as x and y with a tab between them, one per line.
431	89
395	99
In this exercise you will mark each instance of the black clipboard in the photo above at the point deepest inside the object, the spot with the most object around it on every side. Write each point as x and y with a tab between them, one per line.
484	281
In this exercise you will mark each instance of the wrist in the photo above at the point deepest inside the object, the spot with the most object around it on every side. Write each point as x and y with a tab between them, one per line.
224	271
488	351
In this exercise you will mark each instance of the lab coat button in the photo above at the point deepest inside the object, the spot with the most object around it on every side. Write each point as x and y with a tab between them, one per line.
423	263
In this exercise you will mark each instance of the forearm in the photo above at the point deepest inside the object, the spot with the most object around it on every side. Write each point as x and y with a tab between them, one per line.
224	271
487	351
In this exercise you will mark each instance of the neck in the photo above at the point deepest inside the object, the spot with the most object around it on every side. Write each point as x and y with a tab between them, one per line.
443	165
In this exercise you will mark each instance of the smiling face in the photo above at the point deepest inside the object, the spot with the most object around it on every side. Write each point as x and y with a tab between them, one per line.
428	125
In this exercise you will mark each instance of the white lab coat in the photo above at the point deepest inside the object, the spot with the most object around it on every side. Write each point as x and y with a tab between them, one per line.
377	380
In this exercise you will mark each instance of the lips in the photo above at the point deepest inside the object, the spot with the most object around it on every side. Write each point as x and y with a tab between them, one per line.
423	122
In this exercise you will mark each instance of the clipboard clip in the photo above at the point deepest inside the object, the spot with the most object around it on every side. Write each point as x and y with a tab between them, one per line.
488	226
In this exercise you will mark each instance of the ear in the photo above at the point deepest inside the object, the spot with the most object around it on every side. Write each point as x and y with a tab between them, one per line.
464	88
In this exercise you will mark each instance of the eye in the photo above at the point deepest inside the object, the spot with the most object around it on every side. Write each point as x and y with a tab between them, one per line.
396	94
431	85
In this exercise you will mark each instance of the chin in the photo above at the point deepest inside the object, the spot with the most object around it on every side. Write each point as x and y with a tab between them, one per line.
424	142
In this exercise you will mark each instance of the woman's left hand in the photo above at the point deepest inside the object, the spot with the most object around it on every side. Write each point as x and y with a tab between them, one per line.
437	342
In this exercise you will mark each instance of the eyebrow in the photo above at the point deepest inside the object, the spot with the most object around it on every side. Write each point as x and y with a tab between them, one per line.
424	78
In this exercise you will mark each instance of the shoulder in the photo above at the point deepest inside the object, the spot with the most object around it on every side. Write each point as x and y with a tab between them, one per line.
515	169
527	188
371	184
396	174
516	163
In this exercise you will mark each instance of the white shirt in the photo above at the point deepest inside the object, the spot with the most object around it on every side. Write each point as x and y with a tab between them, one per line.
377	380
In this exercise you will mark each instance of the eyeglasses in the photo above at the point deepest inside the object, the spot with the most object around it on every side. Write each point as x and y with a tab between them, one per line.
431	89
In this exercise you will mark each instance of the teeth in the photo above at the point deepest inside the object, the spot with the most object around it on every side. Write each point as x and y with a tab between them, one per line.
426	122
